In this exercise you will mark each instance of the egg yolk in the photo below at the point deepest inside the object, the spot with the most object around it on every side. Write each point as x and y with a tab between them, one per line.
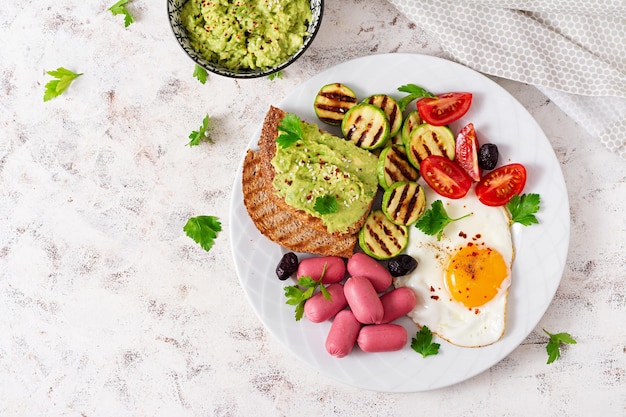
474	275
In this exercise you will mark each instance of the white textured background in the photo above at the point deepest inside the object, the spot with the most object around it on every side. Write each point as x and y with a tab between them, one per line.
108	309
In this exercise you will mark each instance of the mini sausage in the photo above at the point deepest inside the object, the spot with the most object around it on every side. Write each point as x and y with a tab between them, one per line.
362	265
363	300
397	303
343	333
313	267
382	338
318	309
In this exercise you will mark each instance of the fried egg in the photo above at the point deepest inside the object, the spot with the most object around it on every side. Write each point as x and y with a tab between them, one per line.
462	280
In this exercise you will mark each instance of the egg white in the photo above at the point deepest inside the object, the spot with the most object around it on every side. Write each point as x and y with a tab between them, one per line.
444	316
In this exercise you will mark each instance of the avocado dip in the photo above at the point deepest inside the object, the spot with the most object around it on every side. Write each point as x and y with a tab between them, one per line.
320	164
242	34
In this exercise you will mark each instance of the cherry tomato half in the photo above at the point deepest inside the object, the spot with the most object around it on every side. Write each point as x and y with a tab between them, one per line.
445	108
445	176
466	151
498	186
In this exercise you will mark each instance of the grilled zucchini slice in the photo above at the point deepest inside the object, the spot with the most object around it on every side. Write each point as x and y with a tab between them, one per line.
391	108
394	166
404	202
426	140
332	102
366	126
380	238
411	121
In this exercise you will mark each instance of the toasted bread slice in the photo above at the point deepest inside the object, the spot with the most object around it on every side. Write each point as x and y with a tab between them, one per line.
280	222
281	226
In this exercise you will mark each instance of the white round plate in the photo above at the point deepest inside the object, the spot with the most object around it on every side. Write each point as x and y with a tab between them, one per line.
541	249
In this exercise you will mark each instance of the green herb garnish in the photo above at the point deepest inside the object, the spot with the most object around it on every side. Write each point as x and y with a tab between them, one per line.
202	134
523	208
435	219
55	88
120	8
553	346
422	343
203	230
415	92
200	73
326	204
297	296
274	75
290	130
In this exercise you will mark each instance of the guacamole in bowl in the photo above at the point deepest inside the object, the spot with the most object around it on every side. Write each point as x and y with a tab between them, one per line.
244	38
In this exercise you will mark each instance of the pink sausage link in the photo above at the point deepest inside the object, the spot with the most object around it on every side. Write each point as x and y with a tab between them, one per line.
313	267
362	265
382	338
343	333
318	309
363	300
397	303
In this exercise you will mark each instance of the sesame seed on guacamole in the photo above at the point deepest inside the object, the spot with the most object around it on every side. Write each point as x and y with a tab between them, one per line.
246	34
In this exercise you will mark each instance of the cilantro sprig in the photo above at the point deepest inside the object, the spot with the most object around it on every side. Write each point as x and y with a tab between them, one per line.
290	130
200	73
203	230
120	8
435	219
305	289
554	345
202	134
523	208
55	88
415	92
326	204
423	343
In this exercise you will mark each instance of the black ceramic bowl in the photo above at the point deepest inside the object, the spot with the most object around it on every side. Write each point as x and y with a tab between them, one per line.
174	9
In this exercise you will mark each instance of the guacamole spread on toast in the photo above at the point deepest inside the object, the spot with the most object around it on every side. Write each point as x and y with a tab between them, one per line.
322	165
242	34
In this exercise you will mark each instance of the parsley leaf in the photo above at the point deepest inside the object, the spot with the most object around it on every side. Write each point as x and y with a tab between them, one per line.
326	204
200	73
415	92
202	133
290	130
297	296
435	219
203	230
274	75
55	88
553	346
422	343
120	8
523	208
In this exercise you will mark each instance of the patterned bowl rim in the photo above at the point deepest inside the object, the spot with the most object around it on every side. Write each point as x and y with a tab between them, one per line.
174	8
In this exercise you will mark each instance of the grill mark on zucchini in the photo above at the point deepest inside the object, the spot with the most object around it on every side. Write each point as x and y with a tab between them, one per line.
404	202
382	239
391	108
366	126
400	165
426	140
333	101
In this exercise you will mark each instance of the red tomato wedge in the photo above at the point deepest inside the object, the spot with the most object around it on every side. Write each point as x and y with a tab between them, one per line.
445	108
498	186
466	151
445	176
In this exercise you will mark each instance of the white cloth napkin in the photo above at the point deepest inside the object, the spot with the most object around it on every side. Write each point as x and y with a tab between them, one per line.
574	51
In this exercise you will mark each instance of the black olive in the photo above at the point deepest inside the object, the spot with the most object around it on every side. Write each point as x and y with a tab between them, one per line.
488	156
287	266
401	265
